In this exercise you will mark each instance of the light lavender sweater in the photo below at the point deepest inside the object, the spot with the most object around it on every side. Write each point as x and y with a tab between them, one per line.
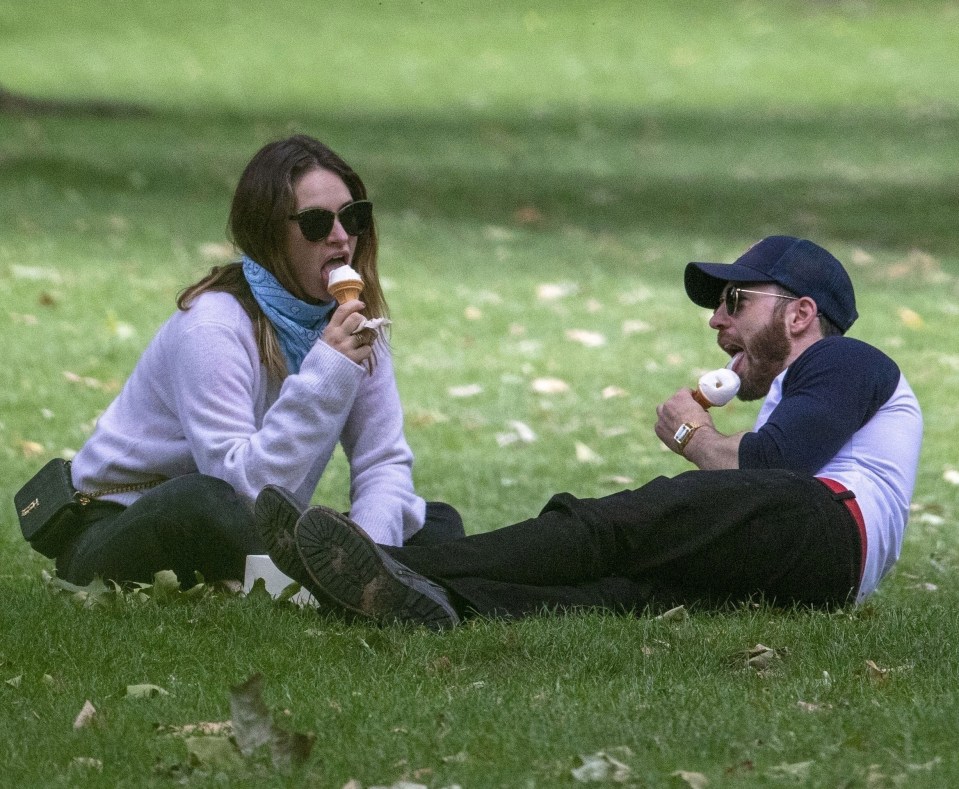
200	400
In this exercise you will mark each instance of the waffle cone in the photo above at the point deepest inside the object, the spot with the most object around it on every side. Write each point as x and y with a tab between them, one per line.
700	398
346	291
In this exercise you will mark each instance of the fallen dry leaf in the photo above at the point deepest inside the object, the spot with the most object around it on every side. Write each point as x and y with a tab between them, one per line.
426	418
929	518
528	215
520	432
613	391
586	455
472	313
876	674
145	691
89	382
551	386
120	329
743	767
30	449
760	657
604	766
253	727
497	233
441	665
401	784
590	339
910	318
87	763
798	771
204	728
466	390
695	780
636	327
220	251
677	614
524	431
925	766
811	706
917	264
214	753
250	715
86	717
613	430
35	273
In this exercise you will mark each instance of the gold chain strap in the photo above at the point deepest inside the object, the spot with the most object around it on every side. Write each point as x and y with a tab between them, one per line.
86	498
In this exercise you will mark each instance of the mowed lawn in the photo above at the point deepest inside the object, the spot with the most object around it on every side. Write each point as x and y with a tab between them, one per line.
541	173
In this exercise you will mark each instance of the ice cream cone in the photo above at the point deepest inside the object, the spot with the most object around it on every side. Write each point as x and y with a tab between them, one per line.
700	398
345	284
716	388
346	291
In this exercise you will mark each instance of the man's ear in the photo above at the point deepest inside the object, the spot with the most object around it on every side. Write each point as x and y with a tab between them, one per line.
803	315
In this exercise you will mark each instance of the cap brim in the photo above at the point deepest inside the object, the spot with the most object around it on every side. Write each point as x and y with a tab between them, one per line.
705	281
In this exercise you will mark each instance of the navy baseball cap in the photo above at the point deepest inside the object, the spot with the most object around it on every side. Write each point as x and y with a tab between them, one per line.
798	265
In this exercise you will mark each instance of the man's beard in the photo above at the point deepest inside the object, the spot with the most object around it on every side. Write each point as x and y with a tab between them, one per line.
767	356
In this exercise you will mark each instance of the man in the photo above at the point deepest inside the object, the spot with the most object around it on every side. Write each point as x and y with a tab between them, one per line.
808	508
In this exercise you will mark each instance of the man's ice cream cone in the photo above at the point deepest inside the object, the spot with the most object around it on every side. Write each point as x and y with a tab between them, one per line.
716	388
700	398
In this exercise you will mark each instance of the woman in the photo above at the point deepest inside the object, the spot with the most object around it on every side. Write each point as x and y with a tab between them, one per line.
252	382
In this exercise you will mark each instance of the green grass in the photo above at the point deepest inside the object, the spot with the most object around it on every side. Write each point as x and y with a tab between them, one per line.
597	147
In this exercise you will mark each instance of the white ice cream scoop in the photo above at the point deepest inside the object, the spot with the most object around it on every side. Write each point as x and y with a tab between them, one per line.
345	284
716	388
344	273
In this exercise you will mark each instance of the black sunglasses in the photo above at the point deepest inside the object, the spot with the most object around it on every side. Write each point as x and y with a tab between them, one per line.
316	223
731	298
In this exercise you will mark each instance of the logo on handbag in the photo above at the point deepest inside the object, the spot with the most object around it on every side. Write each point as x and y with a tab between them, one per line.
31	506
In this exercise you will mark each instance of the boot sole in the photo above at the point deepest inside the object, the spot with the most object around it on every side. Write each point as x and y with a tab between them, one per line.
350	568
275	514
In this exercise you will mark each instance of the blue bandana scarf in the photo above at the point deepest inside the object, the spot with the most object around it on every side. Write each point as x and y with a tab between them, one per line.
298	324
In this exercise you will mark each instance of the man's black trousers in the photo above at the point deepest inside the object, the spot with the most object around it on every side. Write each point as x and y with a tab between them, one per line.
703	537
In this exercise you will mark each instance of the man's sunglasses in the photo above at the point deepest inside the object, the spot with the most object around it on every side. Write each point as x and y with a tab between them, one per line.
731	298
316	223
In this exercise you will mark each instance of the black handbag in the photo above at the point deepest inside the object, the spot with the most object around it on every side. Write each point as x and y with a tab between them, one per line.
50	508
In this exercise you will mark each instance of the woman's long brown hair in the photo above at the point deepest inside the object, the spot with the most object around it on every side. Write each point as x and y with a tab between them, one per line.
258	226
